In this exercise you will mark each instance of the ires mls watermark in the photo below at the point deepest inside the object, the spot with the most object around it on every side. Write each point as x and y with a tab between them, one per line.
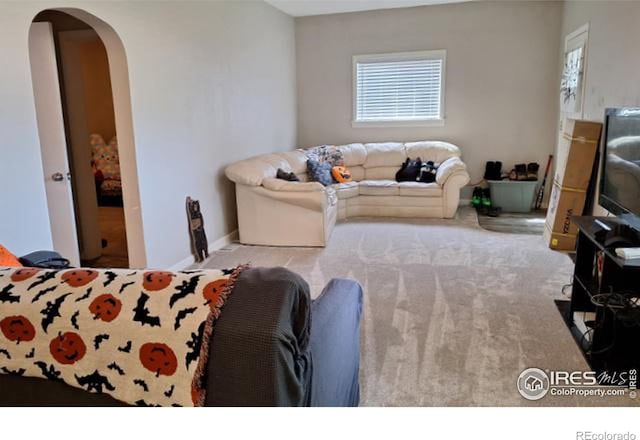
534	383
590	435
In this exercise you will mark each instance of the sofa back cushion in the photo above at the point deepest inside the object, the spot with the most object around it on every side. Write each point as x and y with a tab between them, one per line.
353	154
357	173
386	154
381	173
297	160
436	151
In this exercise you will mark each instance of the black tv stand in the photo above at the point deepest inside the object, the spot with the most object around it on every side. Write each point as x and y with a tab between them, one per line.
604	314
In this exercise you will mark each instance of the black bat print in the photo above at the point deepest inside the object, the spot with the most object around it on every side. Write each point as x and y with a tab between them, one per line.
86	295
116	368
187	272
18	372
110	277
142	383
184	289
141	402
183	314
125	285
98	340
43	279
5	295
126	348
52	311
74	320
195	344
94	381
169	392
141	313
48	371
43	292
227	271
5	352
132	273
31	354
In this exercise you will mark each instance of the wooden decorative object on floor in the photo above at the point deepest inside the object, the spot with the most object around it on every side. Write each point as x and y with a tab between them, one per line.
199	244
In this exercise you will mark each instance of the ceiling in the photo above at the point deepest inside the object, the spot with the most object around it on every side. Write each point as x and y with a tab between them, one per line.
301	8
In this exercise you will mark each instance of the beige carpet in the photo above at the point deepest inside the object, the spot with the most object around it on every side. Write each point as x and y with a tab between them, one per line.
452	312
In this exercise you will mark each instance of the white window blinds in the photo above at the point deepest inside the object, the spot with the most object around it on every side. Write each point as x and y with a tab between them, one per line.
399	87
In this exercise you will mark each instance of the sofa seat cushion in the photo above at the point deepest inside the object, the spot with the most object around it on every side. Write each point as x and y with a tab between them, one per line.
346	190
420	189
379	188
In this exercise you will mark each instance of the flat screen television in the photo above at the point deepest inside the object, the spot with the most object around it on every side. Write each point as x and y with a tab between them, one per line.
620	179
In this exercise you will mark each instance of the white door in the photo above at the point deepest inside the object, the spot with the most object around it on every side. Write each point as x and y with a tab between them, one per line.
46	89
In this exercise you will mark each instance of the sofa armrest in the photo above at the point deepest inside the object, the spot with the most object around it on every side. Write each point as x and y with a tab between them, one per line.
259	354
335	344
453	165
283	185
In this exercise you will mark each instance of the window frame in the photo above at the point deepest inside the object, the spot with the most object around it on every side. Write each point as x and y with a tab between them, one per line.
439	54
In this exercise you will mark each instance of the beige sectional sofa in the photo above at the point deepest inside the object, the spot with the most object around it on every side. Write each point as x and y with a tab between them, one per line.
279	213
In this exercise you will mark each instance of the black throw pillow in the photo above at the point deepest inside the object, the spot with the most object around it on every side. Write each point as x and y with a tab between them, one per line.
291	177
410	170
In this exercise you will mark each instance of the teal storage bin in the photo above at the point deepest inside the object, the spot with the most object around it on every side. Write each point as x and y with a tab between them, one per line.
513	195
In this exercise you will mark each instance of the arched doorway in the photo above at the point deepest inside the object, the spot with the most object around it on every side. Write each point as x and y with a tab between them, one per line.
67	153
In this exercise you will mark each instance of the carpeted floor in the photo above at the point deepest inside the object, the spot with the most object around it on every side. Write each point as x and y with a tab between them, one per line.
452	312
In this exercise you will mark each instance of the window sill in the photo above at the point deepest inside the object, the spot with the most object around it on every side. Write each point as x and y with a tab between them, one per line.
390	124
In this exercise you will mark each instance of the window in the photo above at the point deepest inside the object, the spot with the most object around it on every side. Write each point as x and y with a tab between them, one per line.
399	89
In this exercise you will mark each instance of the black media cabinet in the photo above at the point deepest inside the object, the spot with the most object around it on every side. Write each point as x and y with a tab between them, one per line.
606	291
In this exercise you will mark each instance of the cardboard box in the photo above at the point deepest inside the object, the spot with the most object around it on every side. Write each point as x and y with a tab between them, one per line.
576	153
560	233
559	242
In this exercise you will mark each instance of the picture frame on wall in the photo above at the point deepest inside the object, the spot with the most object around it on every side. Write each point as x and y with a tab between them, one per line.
574	72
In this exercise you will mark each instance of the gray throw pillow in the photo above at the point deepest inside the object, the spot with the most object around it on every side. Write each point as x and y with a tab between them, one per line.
319	172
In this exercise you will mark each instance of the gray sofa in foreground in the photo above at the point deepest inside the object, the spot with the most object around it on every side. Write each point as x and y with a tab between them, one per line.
272	346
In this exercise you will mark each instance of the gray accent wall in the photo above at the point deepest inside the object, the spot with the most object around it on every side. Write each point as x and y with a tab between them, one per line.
502	69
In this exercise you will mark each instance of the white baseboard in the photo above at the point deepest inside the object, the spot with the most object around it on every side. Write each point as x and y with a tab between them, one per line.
213	246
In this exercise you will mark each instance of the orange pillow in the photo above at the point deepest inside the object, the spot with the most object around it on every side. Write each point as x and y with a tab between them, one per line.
8	259
341	174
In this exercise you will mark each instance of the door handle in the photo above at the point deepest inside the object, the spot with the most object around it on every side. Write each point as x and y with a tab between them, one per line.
57	177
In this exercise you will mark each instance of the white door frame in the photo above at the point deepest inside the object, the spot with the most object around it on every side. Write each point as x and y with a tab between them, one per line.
118	69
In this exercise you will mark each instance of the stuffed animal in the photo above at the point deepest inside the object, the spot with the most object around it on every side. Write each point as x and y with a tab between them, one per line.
427	172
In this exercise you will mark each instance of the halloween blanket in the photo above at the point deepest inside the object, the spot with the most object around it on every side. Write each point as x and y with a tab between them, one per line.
140	336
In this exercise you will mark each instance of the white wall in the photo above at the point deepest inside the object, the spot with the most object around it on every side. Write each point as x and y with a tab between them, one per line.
613	65
211	83
502	67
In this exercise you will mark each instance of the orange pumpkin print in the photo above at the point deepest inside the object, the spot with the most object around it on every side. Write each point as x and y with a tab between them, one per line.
105	307
17	329
67	348
23	274
213	291
158	358
156	280
79	277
